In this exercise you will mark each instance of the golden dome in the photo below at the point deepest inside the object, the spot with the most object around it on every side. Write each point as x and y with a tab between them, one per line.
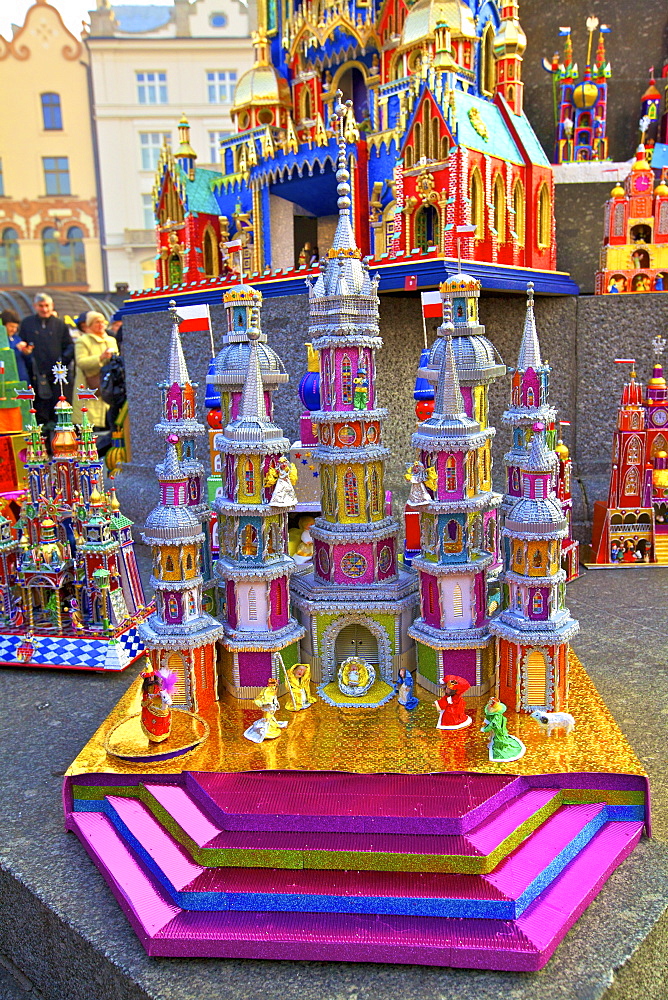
424	16
510	39
662	454
585	95
562	451
661	189
115	505
261	85
460	283
617	191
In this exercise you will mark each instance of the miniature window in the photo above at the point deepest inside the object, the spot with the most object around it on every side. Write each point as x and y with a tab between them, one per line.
537	603
520	212
192	606
632	483
633	451
346	380
172	607
374	489
451	473
536	668
662	225
544	221
10	262
477	204
169	565
249	541
537	559
328	495
252	604
279	600
324	385
487	61
210	253
249	478
430	597
499	203
491	537
189	561
531	397
351	494
518	555
618	221
457	602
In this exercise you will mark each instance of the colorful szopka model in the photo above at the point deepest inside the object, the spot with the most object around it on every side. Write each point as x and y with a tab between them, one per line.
452	707
503	747
634	255
581	108
268	727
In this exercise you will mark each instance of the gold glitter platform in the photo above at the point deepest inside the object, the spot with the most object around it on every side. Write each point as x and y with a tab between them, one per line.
387	739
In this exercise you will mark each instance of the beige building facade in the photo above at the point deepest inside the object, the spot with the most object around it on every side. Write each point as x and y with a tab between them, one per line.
149	64
49	227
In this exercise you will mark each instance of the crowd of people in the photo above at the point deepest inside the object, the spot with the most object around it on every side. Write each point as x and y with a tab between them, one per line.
87	349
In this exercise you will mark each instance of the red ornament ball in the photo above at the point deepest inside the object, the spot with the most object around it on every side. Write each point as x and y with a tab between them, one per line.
214	419
424	408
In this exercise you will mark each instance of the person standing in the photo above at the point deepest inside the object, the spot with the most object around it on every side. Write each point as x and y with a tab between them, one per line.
92	351
47	340
11	323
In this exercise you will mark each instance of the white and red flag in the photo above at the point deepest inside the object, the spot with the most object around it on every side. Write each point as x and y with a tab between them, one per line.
432	305
193	319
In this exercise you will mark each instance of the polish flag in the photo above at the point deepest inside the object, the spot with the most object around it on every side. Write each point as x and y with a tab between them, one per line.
233	245
84	393
194	319
28	393
432	305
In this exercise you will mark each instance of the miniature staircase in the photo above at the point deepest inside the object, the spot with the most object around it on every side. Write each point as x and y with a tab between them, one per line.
465	870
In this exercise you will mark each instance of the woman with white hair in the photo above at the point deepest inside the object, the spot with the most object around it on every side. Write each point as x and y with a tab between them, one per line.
91	353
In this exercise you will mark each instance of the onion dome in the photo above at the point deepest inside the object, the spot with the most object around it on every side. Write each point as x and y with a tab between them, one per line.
618	191
424	16
661	189
585	94
261	86
510	39
562	451
229	367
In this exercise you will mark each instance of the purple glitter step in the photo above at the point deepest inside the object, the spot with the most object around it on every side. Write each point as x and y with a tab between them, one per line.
358	850
352	803
524	944
520	877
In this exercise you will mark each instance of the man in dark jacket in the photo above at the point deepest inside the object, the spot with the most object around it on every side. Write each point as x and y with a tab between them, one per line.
50	340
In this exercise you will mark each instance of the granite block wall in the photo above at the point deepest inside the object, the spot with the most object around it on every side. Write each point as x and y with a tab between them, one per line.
580	337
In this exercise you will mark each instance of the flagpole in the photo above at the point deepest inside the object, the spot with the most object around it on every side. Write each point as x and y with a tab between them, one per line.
213	346
424	328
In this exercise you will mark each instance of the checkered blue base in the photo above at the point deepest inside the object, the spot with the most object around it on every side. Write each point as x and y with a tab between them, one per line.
74	653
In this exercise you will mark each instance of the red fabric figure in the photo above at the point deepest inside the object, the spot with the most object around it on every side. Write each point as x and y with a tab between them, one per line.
452	706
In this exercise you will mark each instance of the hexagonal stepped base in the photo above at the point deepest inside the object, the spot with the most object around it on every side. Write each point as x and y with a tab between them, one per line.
469	870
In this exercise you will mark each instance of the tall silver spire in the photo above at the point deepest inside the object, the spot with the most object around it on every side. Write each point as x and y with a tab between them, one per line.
178	371
530	347
252	425
448	400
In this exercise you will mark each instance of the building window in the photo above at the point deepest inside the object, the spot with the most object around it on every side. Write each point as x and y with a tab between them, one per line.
52	115
210	252
10	264
56	174
477	205
249	541
172	607
346	380
215	139
536	668
500	209
150	144
147	210
374	490
544	221
64	260
450	473
350	494
457	602
151	87
252	605
632	482
488	62
2	180
217	20
220	86
249	478
520	214
169	565
537	604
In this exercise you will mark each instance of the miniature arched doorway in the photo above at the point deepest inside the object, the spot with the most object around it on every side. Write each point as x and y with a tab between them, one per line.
175	270
352	83
177	664
488	62
641	233
210	253
426	227
356	640
536	678
640	258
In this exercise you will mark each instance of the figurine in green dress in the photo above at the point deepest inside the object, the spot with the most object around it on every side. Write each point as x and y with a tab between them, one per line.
502	746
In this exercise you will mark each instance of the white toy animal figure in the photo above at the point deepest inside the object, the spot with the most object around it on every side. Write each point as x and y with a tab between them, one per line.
549	721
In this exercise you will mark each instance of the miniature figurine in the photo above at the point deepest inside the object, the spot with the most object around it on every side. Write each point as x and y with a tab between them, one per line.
355	676
502	746
404	685
452	706
268	727
156	715
298	678
417	475
75	615
284	475
551	721
361	392
303	545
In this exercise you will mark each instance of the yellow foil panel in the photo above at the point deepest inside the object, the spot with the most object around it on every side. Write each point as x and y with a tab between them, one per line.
390	739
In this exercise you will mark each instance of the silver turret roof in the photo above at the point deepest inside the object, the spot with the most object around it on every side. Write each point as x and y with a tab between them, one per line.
529	356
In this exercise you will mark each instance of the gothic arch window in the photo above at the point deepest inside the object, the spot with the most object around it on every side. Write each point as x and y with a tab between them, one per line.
10	263
633	451
450	473
536	669
427	227
64	260
635	421
328	493
544	217
172	607
417	139
487	61
189	561
252	604
174	409
350	493
346	380
435	137
632	482
476	196
537	559
210	253
249	478
430	598
537	603
470	471
662	226
279	599
374	490
485	464
499	202
192	606
520	211
324	384
249	541
660	444
452	538
169	565
491	536
457	601
531	397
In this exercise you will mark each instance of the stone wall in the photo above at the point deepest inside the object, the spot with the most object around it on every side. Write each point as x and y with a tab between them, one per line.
580	337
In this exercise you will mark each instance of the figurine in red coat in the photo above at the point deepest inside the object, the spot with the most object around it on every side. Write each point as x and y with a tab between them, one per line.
452	706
